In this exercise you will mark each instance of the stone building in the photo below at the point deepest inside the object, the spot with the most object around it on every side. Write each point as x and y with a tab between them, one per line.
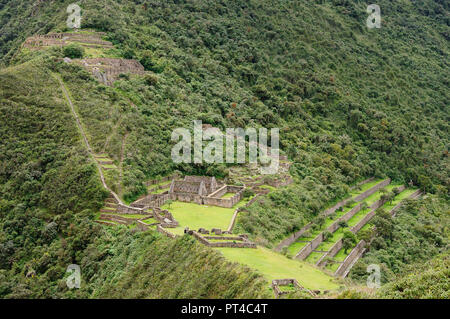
209	182
186	187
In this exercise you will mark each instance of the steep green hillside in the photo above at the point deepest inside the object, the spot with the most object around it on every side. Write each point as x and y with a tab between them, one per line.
350	103
418	232
49	191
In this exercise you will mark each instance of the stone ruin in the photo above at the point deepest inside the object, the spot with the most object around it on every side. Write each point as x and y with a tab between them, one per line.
192	188
276	283
204	190
107	70
210	182
204	236
90	40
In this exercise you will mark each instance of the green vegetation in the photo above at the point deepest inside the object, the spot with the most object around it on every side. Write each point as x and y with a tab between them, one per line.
423	280
73	51
350	103
228	195
44	161
197	216
275	266
417	233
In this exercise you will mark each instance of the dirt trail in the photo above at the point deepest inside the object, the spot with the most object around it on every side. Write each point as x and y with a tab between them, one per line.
86	142
122	151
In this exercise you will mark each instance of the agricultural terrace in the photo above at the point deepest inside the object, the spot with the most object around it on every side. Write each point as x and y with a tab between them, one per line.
342	254
273	265
295	247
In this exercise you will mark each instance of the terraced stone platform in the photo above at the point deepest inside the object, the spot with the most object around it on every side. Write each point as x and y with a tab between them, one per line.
302	237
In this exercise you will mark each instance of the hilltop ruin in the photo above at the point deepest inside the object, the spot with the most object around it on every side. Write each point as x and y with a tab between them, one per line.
89	40
107	70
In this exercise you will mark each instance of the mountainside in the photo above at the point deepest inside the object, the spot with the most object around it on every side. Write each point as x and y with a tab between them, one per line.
350	102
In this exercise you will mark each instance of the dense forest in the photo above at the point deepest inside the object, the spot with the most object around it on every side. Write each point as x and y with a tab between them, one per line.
350	103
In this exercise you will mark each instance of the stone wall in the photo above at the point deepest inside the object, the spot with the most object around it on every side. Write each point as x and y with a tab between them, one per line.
286	180
117	219
122	209
225	202
260	191
352	212
152	200
397	207
362	183
107	70
63	39
286	282
306	250
187	198
142	226
238	238
220	192
104	222
372	190
241	242
338	245
322	262
161	180
358	250
160	229
292	238
351	259
209	182
165	218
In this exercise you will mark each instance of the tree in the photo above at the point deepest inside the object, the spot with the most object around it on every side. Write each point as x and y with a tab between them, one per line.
74	51
383	222
348	240
342	224
247	193
364	205
320	220
326	235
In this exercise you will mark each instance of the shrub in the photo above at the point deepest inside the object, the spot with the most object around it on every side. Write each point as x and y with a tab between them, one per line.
73	51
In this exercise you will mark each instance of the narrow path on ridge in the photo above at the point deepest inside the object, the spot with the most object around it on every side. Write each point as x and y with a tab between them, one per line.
86	142
122	151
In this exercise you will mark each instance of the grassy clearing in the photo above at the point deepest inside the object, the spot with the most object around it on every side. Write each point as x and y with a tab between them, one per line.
295	247
228	195
243	202
196	216
268	187
314	257
110	166
150	220
288	288
273	265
